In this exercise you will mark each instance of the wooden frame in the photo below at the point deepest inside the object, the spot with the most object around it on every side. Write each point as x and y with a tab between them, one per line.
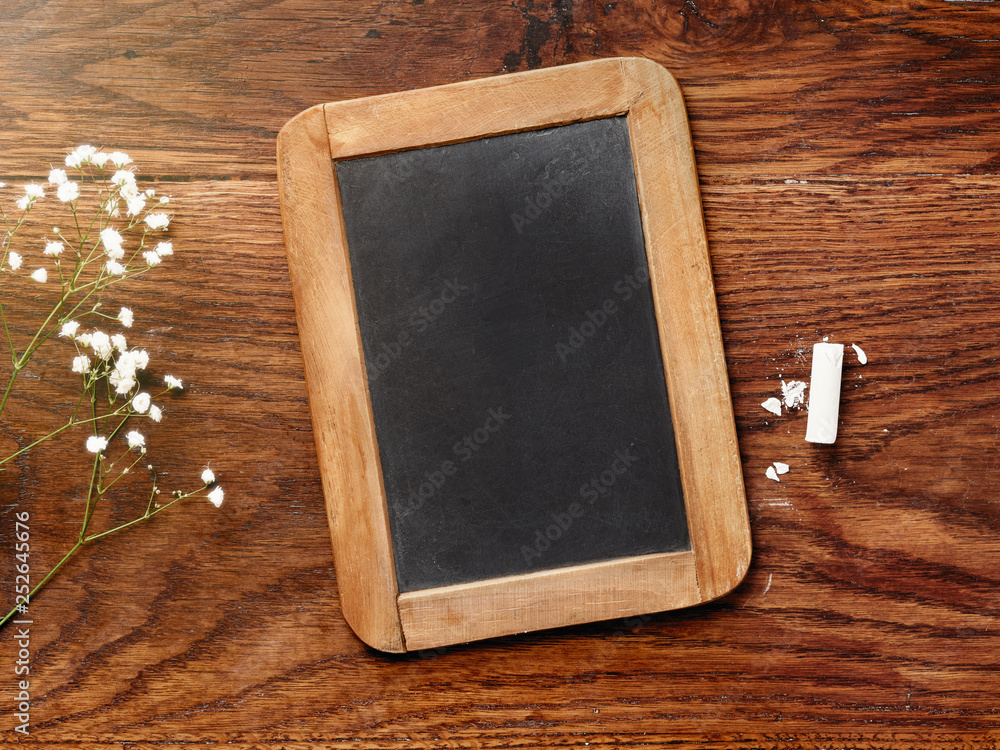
687	317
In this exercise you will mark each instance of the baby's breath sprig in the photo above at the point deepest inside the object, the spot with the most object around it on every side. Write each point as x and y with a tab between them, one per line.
117	233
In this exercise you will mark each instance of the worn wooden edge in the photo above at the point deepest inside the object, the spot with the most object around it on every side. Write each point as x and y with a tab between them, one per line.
549	598
690	333
341	413
457	112
691	341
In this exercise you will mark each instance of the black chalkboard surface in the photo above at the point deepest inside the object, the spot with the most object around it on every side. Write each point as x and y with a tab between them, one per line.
512	354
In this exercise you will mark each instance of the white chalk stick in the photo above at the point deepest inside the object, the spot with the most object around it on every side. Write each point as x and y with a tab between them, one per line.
824	390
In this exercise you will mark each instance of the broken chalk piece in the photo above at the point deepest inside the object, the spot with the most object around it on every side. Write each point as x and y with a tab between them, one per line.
824	387
772	474
862	357
781	468
773	405
794	393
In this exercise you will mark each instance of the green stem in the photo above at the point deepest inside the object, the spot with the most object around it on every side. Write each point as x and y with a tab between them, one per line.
81	542
55	432
122	474
145	517
72	423
15	611
8	336
95	480
6	393
40	337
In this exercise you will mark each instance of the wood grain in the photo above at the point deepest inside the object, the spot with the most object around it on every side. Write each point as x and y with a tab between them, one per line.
688	326
320	268
501	104
681	277
849	157
618	589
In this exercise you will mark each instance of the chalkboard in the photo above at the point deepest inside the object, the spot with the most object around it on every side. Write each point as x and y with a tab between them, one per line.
513	354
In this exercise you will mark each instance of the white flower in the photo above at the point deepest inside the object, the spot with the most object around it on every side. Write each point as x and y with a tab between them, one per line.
122	377
165	200
118	341
80	156
123	177
100	342
99	159
31	193
40	275
57	177
69	328
81	364
215	497
119	159
112	242
155	413
96	444
134	201
124	384
173	382
84	339
151	258
53	249
114	268
141	402
136	440
127	189
207	476
157	221
68	191
15	260
125	317
164	249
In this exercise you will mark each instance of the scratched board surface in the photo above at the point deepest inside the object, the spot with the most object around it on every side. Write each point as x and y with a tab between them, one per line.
512	354
849	164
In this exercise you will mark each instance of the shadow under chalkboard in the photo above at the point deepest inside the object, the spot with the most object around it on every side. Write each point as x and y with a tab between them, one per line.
512	354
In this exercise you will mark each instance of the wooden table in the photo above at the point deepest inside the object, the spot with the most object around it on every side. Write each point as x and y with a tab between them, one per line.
849	155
